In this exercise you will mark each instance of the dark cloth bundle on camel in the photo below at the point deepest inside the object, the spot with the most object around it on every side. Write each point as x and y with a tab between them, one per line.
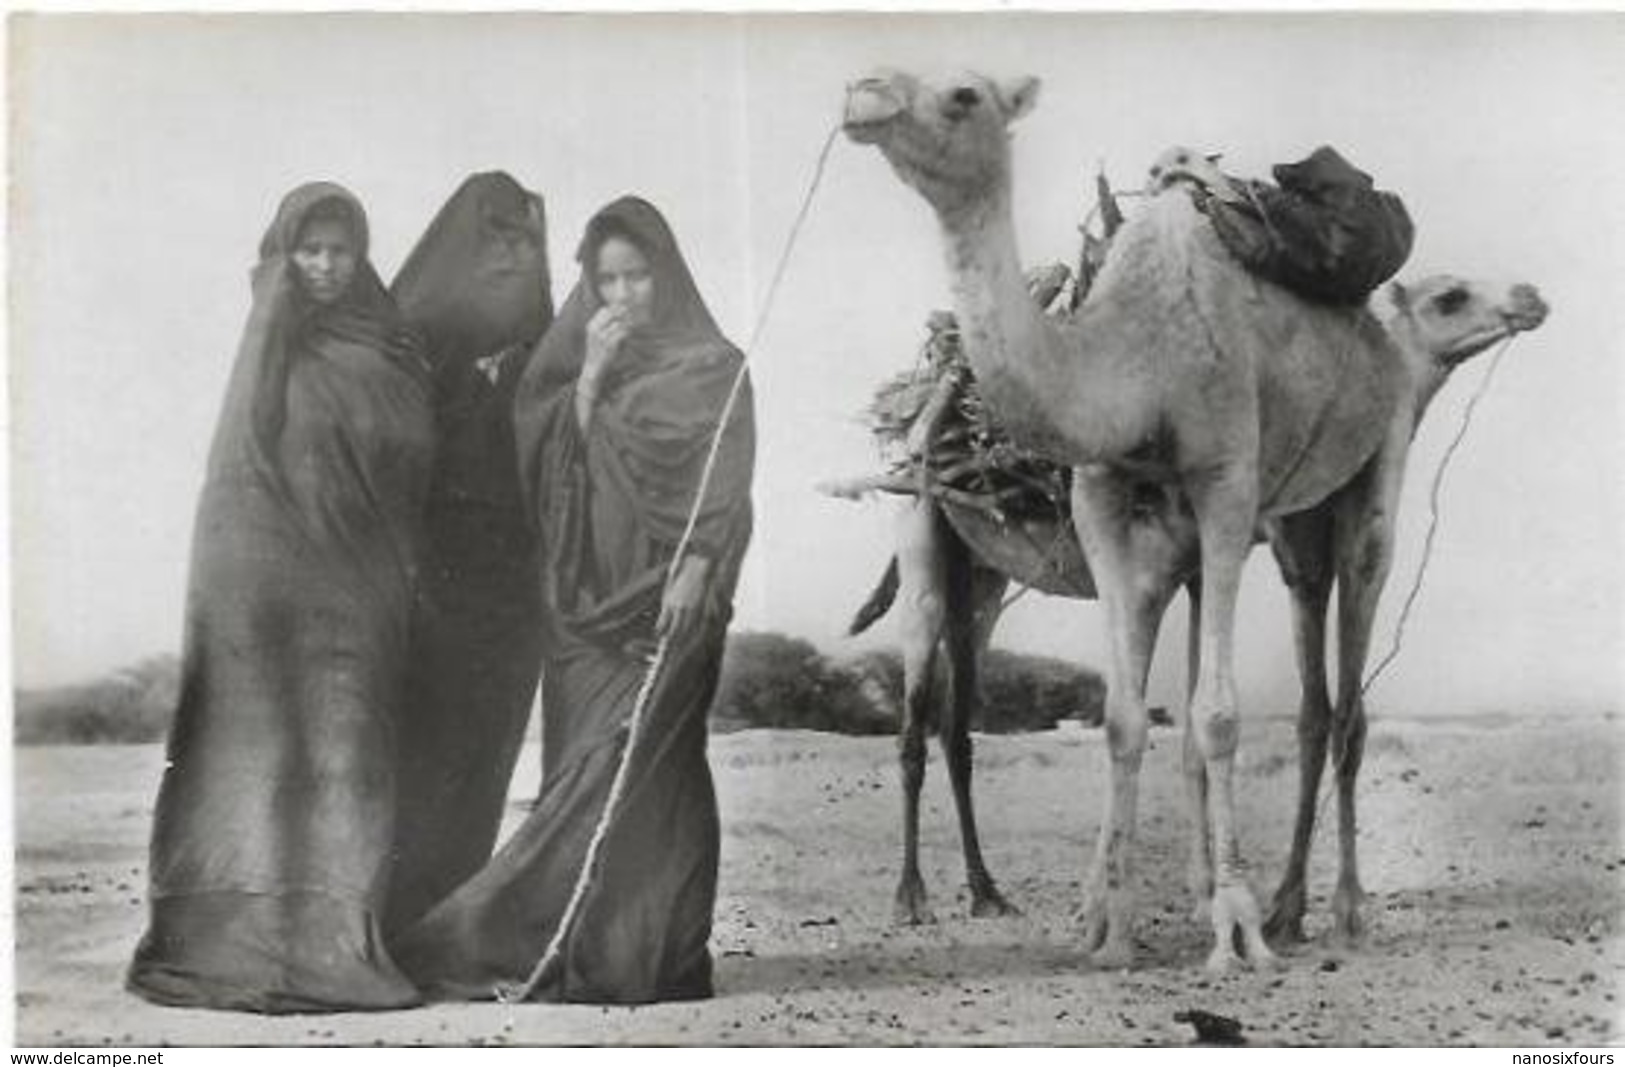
476	285
271	837
1323	230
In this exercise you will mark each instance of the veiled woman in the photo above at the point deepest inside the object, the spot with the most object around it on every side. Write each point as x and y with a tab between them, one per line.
273	821
615	417
476	286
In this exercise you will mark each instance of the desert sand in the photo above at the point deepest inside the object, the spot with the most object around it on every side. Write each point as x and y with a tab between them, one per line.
1491	853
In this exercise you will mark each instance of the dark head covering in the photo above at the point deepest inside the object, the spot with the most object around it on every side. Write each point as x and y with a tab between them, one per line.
364	314
681	323
659	404
477	281
284	321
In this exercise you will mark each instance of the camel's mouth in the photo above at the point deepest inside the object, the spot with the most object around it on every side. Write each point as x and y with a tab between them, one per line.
1471	345
1474	343
871	105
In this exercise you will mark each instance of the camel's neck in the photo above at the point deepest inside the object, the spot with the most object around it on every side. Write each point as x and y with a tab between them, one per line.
1427	374
1012	347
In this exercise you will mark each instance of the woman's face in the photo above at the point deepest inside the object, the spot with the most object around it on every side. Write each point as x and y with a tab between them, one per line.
625	281
325	257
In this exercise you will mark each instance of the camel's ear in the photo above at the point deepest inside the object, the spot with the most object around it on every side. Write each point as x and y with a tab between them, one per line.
1214	157
1018	95
1400	295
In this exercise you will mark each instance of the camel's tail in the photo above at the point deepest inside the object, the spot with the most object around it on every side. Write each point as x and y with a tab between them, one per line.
879	602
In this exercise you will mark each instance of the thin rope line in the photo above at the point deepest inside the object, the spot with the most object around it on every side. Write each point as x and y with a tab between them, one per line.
1339	753
1433	513
553	955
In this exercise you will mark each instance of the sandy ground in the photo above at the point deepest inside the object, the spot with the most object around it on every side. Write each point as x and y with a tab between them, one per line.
1491	850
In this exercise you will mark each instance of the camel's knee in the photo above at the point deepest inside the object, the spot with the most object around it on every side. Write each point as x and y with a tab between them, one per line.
922	617
1348	739
1217	726
1126	734
1314	721
1368	554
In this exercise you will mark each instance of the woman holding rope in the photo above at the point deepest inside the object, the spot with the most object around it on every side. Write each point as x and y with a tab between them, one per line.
615	419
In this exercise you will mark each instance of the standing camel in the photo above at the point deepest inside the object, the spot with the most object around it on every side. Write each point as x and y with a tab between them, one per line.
950	588
1183	382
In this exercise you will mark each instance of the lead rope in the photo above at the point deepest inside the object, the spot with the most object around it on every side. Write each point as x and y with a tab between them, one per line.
1340	743
551	958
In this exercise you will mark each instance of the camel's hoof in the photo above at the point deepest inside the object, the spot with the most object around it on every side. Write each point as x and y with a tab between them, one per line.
911	908
1115	955
1284	926
1236	925
913	915
1091	920
992	905
1222	960
1284	930
1348	929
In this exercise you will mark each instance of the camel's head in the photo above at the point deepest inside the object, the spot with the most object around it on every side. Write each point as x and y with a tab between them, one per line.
1179	164
947	138
1453	319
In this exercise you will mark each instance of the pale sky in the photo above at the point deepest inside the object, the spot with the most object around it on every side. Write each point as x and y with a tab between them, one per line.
148	154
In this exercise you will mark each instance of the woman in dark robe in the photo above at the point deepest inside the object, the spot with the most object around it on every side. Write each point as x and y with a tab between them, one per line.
615	419
476	285
273	824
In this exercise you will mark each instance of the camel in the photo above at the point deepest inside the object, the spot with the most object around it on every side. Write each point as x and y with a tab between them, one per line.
1195	403
951	588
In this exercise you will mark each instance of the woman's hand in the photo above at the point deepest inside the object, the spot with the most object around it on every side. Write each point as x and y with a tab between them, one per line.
684	603
606	331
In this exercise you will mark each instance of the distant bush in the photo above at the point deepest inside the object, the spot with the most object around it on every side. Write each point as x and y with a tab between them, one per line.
1035	692
131	707
768	680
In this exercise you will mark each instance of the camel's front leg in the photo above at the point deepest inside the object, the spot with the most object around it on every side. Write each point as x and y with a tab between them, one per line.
920	608
1303	548
1199	866
1225	504
1132	569
974	596
1364	548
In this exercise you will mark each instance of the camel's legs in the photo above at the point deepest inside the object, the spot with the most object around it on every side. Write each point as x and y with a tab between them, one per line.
1133	565
1364	548
1199	872
1303	549
973	605
1225	503
920	611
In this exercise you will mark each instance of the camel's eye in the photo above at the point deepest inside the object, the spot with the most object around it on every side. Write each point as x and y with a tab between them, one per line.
1451	300
965	97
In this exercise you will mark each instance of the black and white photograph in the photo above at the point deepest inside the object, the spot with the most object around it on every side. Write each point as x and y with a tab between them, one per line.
843	528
